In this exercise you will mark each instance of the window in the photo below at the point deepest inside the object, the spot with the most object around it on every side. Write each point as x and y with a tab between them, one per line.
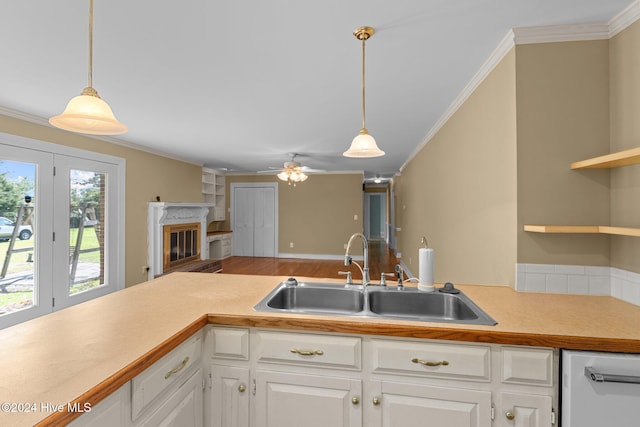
61	227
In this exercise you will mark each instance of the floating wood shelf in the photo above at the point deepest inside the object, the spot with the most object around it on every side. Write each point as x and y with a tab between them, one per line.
584	229
613	160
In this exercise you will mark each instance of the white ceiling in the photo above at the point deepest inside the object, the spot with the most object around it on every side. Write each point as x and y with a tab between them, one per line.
239	84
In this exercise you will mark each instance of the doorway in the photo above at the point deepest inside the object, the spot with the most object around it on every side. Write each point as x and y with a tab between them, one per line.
375	216
254	219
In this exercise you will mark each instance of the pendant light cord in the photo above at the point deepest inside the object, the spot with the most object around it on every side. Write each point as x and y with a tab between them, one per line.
90	43
363	91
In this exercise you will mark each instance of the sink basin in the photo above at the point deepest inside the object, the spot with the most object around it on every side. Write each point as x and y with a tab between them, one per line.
377	302
313	298
413	304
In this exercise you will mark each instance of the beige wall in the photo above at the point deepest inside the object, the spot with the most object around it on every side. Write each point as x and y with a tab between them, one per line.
316	215
625	134
562	117
147	176
503	161
460	190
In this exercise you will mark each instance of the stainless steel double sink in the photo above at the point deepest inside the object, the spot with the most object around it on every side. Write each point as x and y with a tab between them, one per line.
408	303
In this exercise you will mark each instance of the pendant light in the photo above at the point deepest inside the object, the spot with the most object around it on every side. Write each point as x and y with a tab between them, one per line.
87	112
363	145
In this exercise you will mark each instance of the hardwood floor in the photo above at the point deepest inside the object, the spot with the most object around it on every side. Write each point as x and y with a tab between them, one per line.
381	259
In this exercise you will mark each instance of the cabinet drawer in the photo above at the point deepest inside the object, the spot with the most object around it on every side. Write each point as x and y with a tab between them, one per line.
165	372
309	349
527	366
456	361
230	343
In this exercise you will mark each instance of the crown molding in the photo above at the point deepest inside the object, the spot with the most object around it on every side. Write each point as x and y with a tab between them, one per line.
560	33
624	19
31	118
530	35
504	47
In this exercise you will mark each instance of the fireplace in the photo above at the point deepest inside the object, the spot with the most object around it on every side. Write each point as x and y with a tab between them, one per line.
177	236
181	245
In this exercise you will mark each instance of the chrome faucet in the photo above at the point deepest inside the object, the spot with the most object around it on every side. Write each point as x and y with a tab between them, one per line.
348	260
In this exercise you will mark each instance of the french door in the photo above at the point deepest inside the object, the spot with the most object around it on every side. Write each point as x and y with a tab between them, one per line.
70	201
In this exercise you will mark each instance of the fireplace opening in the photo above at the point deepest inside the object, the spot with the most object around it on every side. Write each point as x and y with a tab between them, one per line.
181	245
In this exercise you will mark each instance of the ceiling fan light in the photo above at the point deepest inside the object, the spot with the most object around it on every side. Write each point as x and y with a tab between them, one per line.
88	113
363	146
283	176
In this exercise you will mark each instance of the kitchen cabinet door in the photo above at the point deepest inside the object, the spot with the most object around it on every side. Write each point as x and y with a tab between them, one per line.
524	410
229	396
293	400
392	404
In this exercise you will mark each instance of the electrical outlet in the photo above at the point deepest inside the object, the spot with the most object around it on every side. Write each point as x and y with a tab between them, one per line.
144	269
355	217
345	246
290	244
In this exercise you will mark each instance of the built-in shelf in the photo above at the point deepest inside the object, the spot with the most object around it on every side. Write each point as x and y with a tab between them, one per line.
584	229
613	160
213	191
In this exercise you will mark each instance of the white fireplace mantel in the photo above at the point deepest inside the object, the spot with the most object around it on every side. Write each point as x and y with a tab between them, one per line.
169	213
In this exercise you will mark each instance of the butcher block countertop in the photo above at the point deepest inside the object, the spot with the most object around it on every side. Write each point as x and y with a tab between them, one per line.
85	352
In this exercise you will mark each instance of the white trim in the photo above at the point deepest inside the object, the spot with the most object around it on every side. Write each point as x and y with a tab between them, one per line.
31	118
529	35
327	257
503	48
560	33
118	254
624	19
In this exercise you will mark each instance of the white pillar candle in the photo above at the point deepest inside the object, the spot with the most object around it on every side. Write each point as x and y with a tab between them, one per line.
425	269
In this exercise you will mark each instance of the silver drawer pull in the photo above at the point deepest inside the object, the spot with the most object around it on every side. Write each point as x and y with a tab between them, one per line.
177	369
427	363
307	352
597	377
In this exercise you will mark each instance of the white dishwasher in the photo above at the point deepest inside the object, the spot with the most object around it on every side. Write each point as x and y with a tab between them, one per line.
600	389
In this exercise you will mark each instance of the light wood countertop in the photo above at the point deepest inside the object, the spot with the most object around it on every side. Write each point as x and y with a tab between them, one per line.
85	352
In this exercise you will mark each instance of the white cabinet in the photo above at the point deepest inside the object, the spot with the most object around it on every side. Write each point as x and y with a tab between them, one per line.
291	400
213	191
447	383
524	410
182	408
227	355
267	378
149	388
220	246
404	404
229	396
115	410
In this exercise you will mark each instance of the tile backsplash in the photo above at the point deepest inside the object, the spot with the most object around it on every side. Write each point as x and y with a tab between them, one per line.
579	279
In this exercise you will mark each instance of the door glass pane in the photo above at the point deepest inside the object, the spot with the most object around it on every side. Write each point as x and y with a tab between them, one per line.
17	243
86	230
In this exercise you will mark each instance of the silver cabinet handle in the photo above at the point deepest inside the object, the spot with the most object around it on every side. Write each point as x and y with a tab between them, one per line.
177	369
598	377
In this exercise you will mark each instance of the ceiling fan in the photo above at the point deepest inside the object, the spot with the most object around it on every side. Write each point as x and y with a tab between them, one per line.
292	172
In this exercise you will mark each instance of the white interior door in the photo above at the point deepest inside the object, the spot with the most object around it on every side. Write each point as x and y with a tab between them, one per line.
254	216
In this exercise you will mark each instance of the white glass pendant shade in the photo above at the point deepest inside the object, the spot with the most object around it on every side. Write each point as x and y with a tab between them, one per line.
283	176
88	113
363	146
292	176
